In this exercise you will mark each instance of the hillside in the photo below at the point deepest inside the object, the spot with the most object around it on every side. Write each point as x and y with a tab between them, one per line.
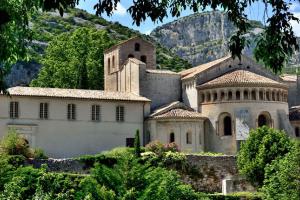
45	26
203	37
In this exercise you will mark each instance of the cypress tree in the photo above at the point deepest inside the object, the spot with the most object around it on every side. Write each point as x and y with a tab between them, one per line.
137	145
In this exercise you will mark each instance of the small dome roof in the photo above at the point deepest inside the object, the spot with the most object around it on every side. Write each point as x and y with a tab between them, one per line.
242	78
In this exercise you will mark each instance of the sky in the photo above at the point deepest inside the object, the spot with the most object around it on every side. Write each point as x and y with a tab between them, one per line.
255	12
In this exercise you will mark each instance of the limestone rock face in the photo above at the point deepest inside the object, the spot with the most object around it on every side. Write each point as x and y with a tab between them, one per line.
203	37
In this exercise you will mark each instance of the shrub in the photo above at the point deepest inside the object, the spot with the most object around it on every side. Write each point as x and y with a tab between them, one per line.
173	159
91	160
173	147
282	177
39	154
262	147
156	147
14	144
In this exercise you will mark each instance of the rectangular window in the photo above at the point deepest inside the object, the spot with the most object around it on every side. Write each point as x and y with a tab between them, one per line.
120	113
43	110
14	110
129	142
96	113
71	112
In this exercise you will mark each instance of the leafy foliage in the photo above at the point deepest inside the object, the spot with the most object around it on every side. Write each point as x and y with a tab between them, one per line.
262	147
282	176
81	55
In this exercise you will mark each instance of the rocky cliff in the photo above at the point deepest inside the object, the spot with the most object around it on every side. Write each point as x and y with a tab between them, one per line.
203	37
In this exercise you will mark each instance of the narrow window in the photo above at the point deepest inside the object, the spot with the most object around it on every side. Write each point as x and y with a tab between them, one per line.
261	95
222	96
71	112
172	137
189	138
237	95
14	110
227	125
120	113
144	59
43	110
130	56
108	65
137	47
215	97
113	61
253	95
96	113
246	95
229	95
297	132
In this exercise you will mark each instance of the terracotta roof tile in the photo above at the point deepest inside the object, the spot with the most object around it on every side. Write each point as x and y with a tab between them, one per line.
178	113
241	77
74	93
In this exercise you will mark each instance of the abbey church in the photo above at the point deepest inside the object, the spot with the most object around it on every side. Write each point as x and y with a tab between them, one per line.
210	107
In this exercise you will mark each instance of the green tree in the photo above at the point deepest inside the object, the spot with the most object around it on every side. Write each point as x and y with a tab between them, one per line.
282	177
75	60
137	144
262	147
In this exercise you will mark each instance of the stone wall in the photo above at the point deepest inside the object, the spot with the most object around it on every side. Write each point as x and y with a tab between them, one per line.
209	171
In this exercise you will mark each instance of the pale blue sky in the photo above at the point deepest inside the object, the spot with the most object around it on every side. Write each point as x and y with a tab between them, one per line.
255	12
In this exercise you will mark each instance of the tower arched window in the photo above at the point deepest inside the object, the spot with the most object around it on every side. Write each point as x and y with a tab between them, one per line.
172	137
261	95
137	47
113	61
108	65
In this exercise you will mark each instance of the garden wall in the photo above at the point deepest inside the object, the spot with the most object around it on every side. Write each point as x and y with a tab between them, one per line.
205	174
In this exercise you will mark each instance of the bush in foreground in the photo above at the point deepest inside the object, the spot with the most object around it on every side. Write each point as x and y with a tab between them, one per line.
262	147
282	177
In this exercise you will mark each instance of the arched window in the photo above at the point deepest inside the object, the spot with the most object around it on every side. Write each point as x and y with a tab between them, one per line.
130	56
273	96
222	96
172	137
268	96
189	138
277	96
253	95
227	125
208	97
144	59
246	95
264	119
113	61
237	95
137	47
297	132
229	95
261	95
215	96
